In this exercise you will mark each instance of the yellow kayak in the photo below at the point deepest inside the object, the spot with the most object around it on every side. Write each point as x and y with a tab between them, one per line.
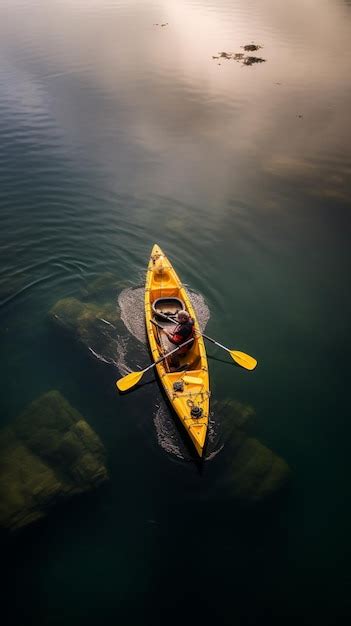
185	379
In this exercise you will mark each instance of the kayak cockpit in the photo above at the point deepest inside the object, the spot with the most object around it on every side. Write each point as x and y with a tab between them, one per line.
162	309
169	307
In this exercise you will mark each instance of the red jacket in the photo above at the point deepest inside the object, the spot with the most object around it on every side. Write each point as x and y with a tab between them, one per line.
182	333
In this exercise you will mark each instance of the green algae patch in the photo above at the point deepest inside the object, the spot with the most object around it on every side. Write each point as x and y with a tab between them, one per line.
48	454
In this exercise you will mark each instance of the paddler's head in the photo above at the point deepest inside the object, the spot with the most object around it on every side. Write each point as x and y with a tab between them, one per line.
183	317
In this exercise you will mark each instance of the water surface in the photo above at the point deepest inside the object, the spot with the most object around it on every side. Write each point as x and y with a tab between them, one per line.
116	133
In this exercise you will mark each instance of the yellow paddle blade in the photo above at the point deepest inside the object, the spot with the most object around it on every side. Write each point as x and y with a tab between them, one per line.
244	360
129	381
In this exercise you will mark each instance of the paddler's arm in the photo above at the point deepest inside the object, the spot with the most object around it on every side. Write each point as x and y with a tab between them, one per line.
175	338
169	335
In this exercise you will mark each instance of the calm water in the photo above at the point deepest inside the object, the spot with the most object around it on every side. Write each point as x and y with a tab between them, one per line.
116	133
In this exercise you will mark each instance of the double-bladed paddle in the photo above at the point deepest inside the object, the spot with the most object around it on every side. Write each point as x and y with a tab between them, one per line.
128	381
244	360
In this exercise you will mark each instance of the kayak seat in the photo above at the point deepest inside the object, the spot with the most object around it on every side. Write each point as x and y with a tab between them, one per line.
167	306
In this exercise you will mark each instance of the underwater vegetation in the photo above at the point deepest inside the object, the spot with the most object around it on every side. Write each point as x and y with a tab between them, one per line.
48	454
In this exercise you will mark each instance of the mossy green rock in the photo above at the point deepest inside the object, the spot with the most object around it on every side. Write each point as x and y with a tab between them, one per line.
233	414
255	473
94	325
73	314
104	285
49	453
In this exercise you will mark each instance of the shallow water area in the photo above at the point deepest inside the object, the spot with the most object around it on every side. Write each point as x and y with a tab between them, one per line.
124	124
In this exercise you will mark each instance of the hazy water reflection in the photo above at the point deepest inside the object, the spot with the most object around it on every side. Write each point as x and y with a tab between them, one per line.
155	99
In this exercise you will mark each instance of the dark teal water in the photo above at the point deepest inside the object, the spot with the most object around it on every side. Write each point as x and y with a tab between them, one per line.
115	134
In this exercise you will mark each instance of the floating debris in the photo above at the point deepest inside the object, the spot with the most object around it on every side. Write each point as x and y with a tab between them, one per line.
240	57
251	47
252	60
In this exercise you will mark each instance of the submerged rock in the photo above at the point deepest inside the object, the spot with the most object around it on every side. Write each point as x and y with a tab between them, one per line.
256	473
234	414
80	316
49	453
253	472
94	325
93	318
105	285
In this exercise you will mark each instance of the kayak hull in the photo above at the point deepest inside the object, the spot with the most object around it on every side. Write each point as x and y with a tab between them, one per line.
190	396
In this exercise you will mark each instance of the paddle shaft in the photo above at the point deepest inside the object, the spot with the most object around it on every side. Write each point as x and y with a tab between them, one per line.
169	319
216	342
244	360
203	334
132	379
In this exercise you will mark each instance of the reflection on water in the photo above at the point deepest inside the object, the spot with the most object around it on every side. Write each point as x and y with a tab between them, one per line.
241	125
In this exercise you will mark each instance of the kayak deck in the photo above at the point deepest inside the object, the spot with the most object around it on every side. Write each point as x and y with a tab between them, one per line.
190	395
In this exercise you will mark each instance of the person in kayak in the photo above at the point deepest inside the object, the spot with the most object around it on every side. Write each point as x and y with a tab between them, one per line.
182	332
